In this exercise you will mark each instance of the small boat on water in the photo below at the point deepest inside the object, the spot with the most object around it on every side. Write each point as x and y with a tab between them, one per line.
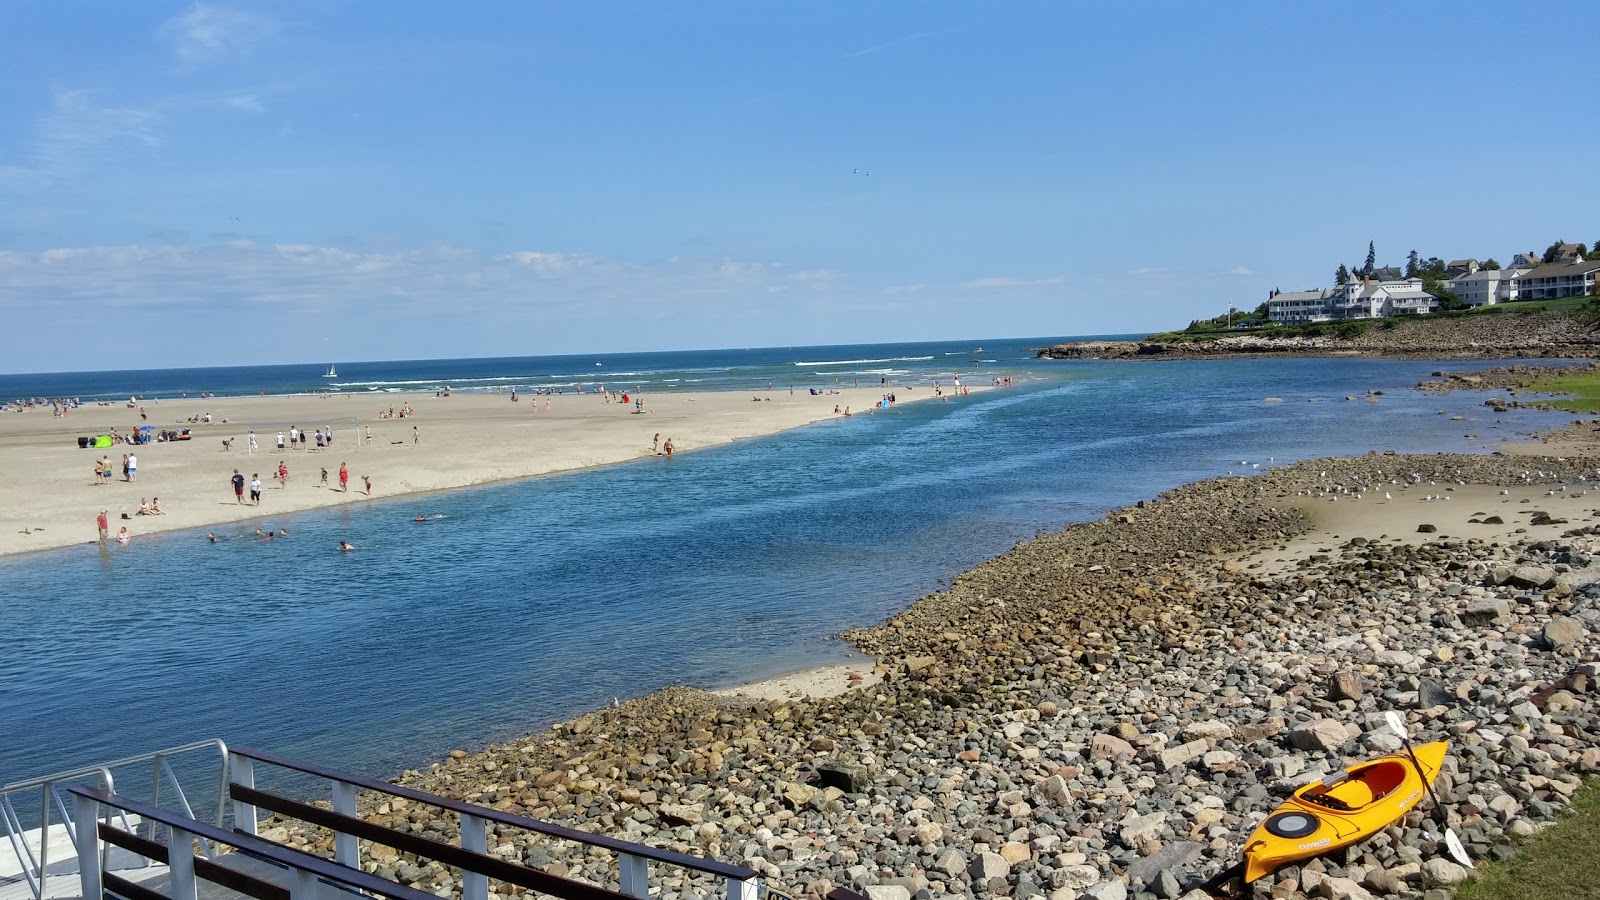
1349	805
331	373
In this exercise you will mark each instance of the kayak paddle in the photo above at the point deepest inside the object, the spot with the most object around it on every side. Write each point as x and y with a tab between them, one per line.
1397	724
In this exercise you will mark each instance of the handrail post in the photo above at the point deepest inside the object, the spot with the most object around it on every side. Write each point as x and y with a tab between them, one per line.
244	775
743	888
44	834
474	837
346	849
86	818
180	863
304	886
633	874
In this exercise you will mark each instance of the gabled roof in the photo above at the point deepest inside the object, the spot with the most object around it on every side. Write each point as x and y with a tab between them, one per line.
1461	263
1558	269
1567	251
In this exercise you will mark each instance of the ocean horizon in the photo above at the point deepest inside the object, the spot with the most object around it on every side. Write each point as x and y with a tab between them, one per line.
525	603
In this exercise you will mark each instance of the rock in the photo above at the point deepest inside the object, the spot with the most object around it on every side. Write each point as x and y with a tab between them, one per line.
1054	790
1173	757
1015	852
1105	746
1531	577
1137	832
986	866
798	795
680	814
1431	693
1562	634
1345	685
1171	856
1210	730
1319	734
1342	889
951	862
1425	528
1075	878
1442	871
887	892
929	833
848	778
1106	890
1486	611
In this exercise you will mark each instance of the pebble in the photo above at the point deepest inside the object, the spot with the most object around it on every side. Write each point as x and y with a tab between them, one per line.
1118	697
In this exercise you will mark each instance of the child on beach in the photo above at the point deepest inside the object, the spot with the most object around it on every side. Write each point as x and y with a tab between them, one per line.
367	480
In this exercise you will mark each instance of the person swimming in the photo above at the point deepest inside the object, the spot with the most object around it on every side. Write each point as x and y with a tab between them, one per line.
346	546
420	518
211	536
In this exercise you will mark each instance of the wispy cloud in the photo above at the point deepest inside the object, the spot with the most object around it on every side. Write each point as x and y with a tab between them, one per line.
244	102
887	45
76	133
1241	270
325	280
207	33
1008	281
1148	270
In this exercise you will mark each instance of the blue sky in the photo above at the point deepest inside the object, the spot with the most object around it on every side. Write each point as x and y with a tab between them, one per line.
240	183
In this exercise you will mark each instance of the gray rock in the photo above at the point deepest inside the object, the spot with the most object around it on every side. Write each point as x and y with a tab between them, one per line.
846	777
951	862
1425	528
1442	871
1106	890
1431	693
1486	611
1319	734
1562	634
1173	855
887	892
988	865
1531	577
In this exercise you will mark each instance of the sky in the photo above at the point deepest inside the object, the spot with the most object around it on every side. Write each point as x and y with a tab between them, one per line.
250	183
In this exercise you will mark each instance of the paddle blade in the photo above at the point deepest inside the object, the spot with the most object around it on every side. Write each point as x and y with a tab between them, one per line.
1397	724
1457	851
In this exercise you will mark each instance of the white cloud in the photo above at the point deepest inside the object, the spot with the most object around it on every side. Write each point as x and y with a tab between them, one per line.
244	102
1240	270
1008	281
77	133
1148	270
206	33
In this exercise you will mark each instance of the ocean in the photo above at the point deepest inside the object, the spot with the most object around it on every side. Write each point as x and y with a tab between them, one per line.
527	603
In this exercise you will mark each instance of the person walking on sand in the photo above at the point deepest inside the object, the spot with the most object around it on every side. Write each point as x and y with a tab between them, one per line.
238	487
255	488
655	445
324	477
667	448
133	467
283	474
416	437
367	480
105	527
344	478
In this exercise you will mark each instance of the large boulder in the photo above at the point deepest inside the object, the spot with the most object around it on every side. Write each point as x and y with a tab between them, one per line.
1319	734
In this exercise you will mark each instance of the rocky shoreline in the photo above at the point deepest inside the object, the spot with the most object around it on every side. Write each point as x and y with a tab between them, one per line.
1107	711
1513	335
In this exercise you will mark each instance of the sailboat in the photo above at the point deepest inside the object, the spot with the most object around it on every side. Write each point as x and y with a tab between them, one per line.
331	373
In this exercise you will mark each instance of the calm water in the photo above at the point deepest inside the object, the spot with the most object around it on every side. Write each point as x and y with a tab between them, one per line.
527	603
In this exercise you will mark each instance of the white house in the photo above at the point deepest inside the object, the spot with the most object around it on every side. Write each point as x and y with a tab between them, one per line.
1559	279
1300	307
1367	299
1359	299
1486	287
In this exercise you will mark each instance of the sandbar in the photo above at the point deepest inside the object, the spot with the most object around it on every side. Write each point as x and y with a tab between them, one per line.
465	439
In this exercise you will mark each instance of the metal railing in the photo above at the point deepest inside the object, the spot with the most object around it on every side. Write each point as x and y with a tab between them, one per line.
470	856
98	810
35	866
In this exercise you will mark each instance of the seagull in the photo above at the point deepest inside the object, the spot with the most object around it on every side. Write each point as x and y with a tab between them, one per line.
1386	497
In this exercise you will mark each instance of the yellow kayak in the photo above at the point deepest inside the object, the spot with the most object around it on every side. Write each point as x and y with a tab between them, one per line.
1347	806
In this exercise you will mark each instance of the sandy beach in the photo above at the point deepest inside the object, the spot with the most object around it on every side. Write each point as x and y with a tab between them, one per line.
446	442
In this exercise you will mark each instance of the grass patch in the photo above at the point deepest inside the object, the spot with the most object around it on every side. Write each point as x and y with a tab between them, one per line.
1559	863
1582	388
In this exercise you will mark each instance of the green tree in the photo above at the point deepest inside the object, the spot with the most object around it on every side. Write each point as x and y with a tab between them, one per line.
1491	263
1341	277
1372	259
1432	269
1411	265
1551	251
1583	252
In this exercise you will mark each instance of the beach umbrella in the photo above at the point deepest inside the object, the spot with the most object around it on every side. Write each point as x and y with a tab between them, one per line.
147	428
103	440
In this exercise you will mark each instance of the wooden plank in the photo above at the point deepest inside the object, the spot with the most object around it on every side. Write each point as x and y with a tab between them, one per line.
127	840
